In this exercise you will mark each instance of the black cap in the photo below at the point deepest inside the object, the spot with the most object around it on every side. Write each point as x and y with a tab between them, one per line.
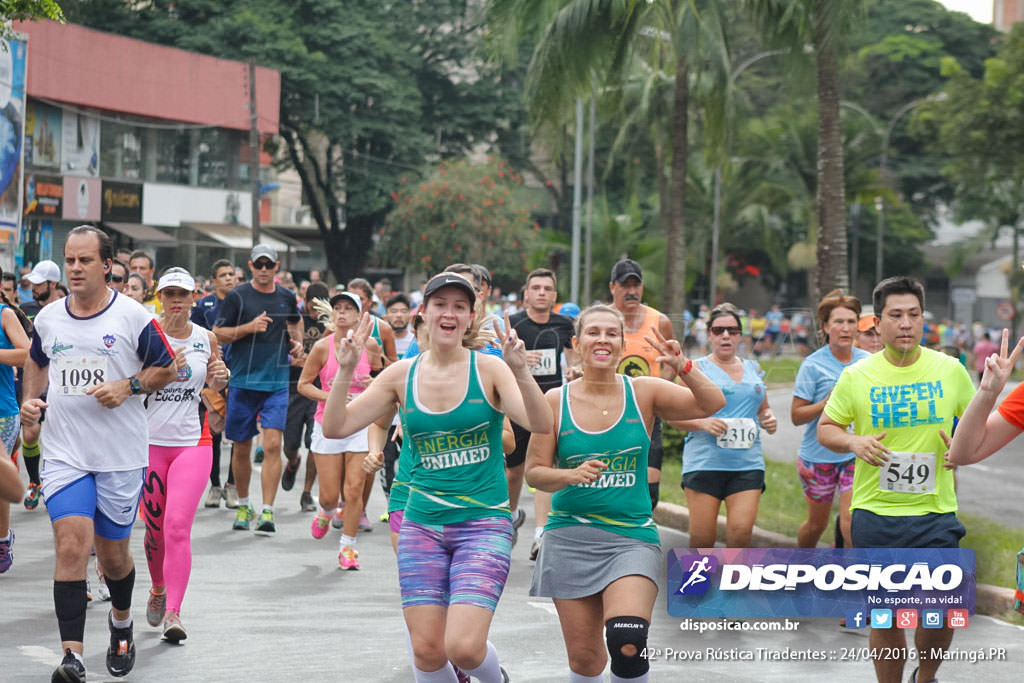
627	268
450	280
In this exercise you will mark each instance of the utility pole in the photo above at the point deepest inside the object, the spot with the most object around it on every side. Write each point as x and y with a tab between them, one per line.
585	292
577	199
254	155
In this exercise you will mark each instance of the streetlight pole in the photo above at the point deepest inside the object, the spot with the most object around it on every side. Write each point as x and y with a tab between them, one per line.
577	192
882	169
717	211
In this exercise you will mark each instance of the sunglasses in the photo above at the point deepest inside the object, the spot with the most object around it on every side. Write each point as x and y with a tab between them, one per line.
264	264
116	278
719	331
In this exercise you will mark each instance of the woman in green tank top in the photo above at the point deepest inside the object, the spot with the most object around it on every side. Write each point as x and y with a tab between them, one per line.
449	385
600	559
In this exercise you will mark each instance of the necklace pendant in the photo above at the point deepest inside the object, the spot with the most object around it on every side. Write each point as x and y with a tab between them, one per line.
604	412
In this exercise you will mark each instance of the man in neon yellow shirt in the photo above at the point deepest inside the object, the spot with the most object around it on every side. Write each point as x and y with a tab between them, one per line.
902	403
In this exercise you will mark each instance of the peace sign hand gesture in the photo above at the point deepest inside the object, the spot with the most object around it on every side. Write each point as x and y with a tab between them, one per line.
351	347
998	368
670	350
513	349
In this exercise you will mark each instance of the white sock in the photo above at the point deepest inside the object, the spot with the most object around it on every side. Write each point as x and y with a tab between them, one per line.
268	507
642	678
347	541
408	644
7	538
538	531
243	502
328	511
120	623
488	671
580	678
446	674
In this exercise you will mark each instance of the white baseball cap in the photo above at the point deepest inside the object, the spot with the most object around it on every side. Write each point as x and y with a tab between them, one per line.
177	277
45	271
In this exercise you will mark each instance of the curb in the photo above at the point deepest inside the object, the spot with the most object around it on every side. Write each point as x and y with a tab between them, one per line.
990	600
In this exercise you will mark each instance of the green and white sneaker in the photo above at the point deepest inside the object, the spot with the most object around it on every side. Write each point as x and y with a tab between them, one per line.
243	518
266	525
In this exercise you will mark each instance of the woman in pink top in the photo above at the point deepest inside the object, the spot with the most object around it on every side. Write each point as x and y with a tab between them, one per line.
339	460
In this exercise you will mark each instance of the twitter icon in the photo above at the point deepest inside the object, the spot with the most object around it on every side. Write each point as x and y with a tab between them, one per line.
881	618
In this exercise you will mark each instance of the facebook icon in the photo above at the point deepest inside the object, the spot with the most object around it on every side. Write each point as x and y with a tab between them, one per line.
856	619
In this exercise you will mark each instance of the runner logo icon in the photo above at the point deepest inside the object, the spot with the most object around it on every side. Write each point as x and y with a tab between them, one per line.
695	579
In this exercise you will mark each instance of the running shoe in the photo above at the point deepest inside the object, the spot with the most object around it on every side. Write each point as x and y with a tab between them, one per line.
70	670
306	502
321	523
535	549
504	675
121	653
214	496
32	498
243	518
348	558
462	675
174	632
102	591
338	520
7	553
258	458
288	476
230	497
364	523
518	519
88	590
384	517
156	608
266	525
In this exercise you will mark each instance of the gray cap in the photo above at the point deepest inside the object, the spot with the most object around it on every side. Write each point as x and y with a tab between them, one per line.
264	251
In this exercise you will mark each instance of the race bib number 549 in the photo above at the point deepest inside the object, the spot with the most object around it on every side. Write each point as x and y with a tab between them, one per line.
908	473
76	374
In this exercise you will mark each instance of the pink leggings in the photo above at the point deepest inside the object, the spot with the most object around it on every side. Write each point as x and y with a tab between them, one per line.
175	482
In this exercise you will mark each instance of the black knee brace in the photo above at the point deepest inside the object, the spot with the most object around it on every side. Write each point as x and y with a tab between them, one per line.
621	632
654	489
69	602
121	590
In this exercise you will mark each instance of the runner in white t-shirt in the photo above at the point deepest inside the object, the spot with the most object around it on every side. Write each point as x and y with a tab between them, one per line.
95	352
180	453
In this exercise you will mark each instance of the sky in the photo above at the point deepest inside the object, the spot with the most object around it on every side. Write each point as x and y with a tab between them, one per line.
981	10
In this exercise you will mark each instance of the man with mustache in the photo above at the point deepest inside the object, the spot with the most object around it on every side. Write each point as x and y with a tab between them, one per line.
639	358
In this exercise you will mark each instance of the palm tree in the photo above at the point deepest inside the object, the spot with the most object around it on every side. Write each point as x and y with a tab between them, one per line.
588	42
792	24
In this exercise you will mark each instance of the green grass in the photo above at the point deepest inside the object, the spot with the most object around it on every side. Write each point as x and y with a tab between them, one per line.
782	510
780	370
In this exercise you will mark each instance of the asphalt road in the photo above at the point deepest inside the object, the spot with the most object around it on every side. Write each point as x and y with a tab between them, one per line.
278	609
990	489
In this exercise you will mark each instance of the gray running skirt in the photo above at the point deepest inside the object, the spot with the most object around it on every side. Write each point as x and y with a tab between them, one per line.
578	561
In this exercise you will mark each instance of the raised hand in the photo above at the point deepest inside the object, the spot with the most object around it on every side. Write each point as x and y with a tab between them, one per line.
870	449
587	472
351	347
670	349
513	349
260	323
998	368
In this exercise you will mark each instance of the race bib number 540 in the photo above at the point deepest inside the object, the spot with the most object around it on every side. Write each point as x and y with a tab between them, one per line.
908	473
76	374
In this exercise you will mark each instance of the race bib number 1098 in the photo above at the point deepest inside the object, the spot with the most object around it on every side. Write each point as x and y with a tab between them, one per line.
76	374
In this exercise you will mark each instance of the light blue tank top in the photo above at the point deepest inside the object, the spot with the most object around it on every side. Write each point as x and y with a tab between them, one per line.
8	399
742	400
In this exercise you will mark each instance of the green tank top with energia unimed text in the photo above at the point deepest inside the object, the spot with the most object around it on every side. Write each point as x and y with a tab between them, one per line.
458	470
619	500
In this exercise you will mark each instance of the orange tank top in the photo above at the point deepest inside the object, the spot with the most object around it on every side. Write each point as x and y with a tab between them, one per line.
638	357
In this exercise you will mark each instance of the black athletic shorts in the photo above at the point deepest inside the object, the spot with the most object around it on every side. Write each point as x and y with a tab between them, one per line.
300	415
722	483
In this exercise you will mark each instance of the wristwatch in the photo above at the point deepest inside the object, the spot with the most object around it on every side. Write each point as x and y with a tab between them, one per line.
135	385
